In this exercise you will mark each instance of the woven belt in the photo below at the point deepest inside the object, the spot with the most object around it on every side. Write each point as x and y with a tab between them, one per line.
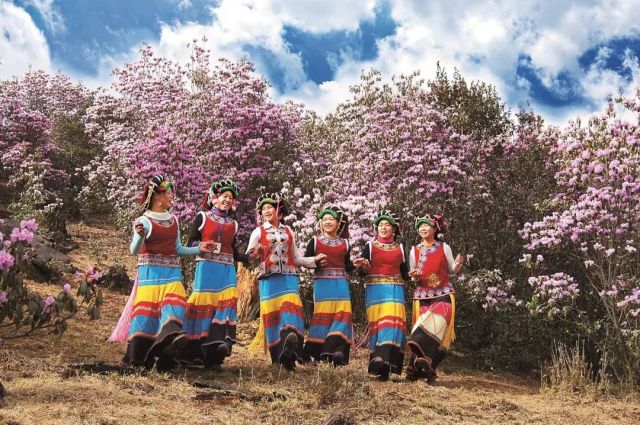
159	260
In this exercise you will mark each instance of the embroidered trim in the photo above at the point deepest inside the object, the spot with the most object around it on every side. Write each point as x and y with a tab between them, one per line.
431	281
326	273
158	260
375	280
330	242
386	246
222	220
278	246
168	222
220	257
422	293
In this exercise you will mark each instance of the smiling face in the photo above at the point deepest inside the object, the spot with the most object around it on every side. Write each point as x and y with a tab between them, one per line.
427	232
385	229
224	200
269	214
329	225
164	199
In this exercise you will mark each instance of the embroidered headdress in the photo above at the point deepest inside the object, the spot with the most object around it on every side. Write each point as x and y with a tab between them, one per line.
339	214
157	184
437	221
218	188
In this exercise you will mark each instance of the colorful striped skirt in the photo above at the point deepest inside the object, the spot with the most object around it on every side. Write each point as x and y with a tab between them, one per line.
211	315
433	329
157	315
331	330
387	322
281	312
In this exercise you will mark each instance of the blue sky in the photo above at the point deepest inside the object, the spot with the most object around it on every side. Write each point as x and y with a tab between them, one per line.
563	57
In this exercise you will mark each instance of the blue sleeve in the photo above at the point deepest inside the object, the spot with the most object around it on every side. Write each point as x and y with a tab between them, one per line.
138	241
185	251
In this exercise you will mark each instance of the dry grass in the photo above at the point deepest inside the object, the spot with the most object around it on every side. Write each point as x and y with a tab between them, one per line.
37	393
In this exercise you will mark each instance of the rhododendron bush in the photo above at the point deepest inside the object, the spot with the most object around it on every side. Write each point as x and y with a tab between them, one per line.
23	311
42	142
195	123
587	264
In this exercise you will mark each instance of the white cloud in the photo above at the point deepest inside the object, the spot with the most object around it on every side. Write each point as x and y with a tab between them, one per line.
51	16
484	40
22	44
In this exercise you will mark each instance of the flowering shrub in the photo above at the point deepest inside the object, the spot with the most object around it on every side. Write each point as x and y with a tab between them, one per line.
42	143
191	122
590	232
23	311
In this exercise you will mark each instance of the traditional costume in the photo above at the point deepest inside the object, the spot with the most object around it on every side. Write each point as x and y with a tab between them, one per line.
281	311
384	300
433	302
211	314
155	332
330	333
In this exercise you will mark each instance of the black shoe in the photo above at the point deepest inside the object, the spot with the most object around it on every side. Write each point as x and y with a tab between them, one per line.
223	350
423	366
384	372
215	367
291	342
288	363
178	344
338	359
376	365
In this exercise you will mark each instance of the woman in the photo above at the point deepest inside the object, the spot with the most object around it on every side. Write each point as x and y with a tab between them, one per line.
155	333
330	332
431	262
281	311
384	263
211	314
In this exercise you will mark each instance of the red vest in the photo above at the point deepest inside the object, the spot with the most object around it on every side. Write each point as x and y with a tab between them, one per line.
335	250
385	263
217	230
277	251
434	281
162	240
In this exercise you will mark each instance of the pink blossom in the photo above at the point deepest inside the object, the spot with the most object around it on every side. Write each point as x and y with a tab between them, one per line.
6	260
48	302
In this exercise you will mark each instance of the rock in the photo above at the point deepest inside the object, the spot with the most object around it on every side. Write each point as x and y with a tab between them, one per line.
46	263
116	278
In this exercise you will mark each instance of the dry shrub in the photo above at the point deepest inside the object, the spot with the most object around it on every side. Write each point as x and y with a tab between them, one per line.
247	291
570	371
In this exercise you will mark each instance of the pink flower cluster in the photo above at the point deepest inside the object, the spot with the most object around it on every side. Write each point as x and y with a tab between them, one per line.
554	290
90	275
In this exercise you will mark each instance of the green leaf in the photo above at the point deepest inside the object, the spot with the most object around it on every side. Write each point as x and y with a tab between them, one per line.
95	313
33	307
82	290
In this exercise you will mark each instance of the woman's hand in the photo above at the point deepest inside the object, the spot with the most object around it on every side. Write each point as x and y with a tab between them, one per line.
459	261
207	246
256	253
139	229
362	263
321	260
415	274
